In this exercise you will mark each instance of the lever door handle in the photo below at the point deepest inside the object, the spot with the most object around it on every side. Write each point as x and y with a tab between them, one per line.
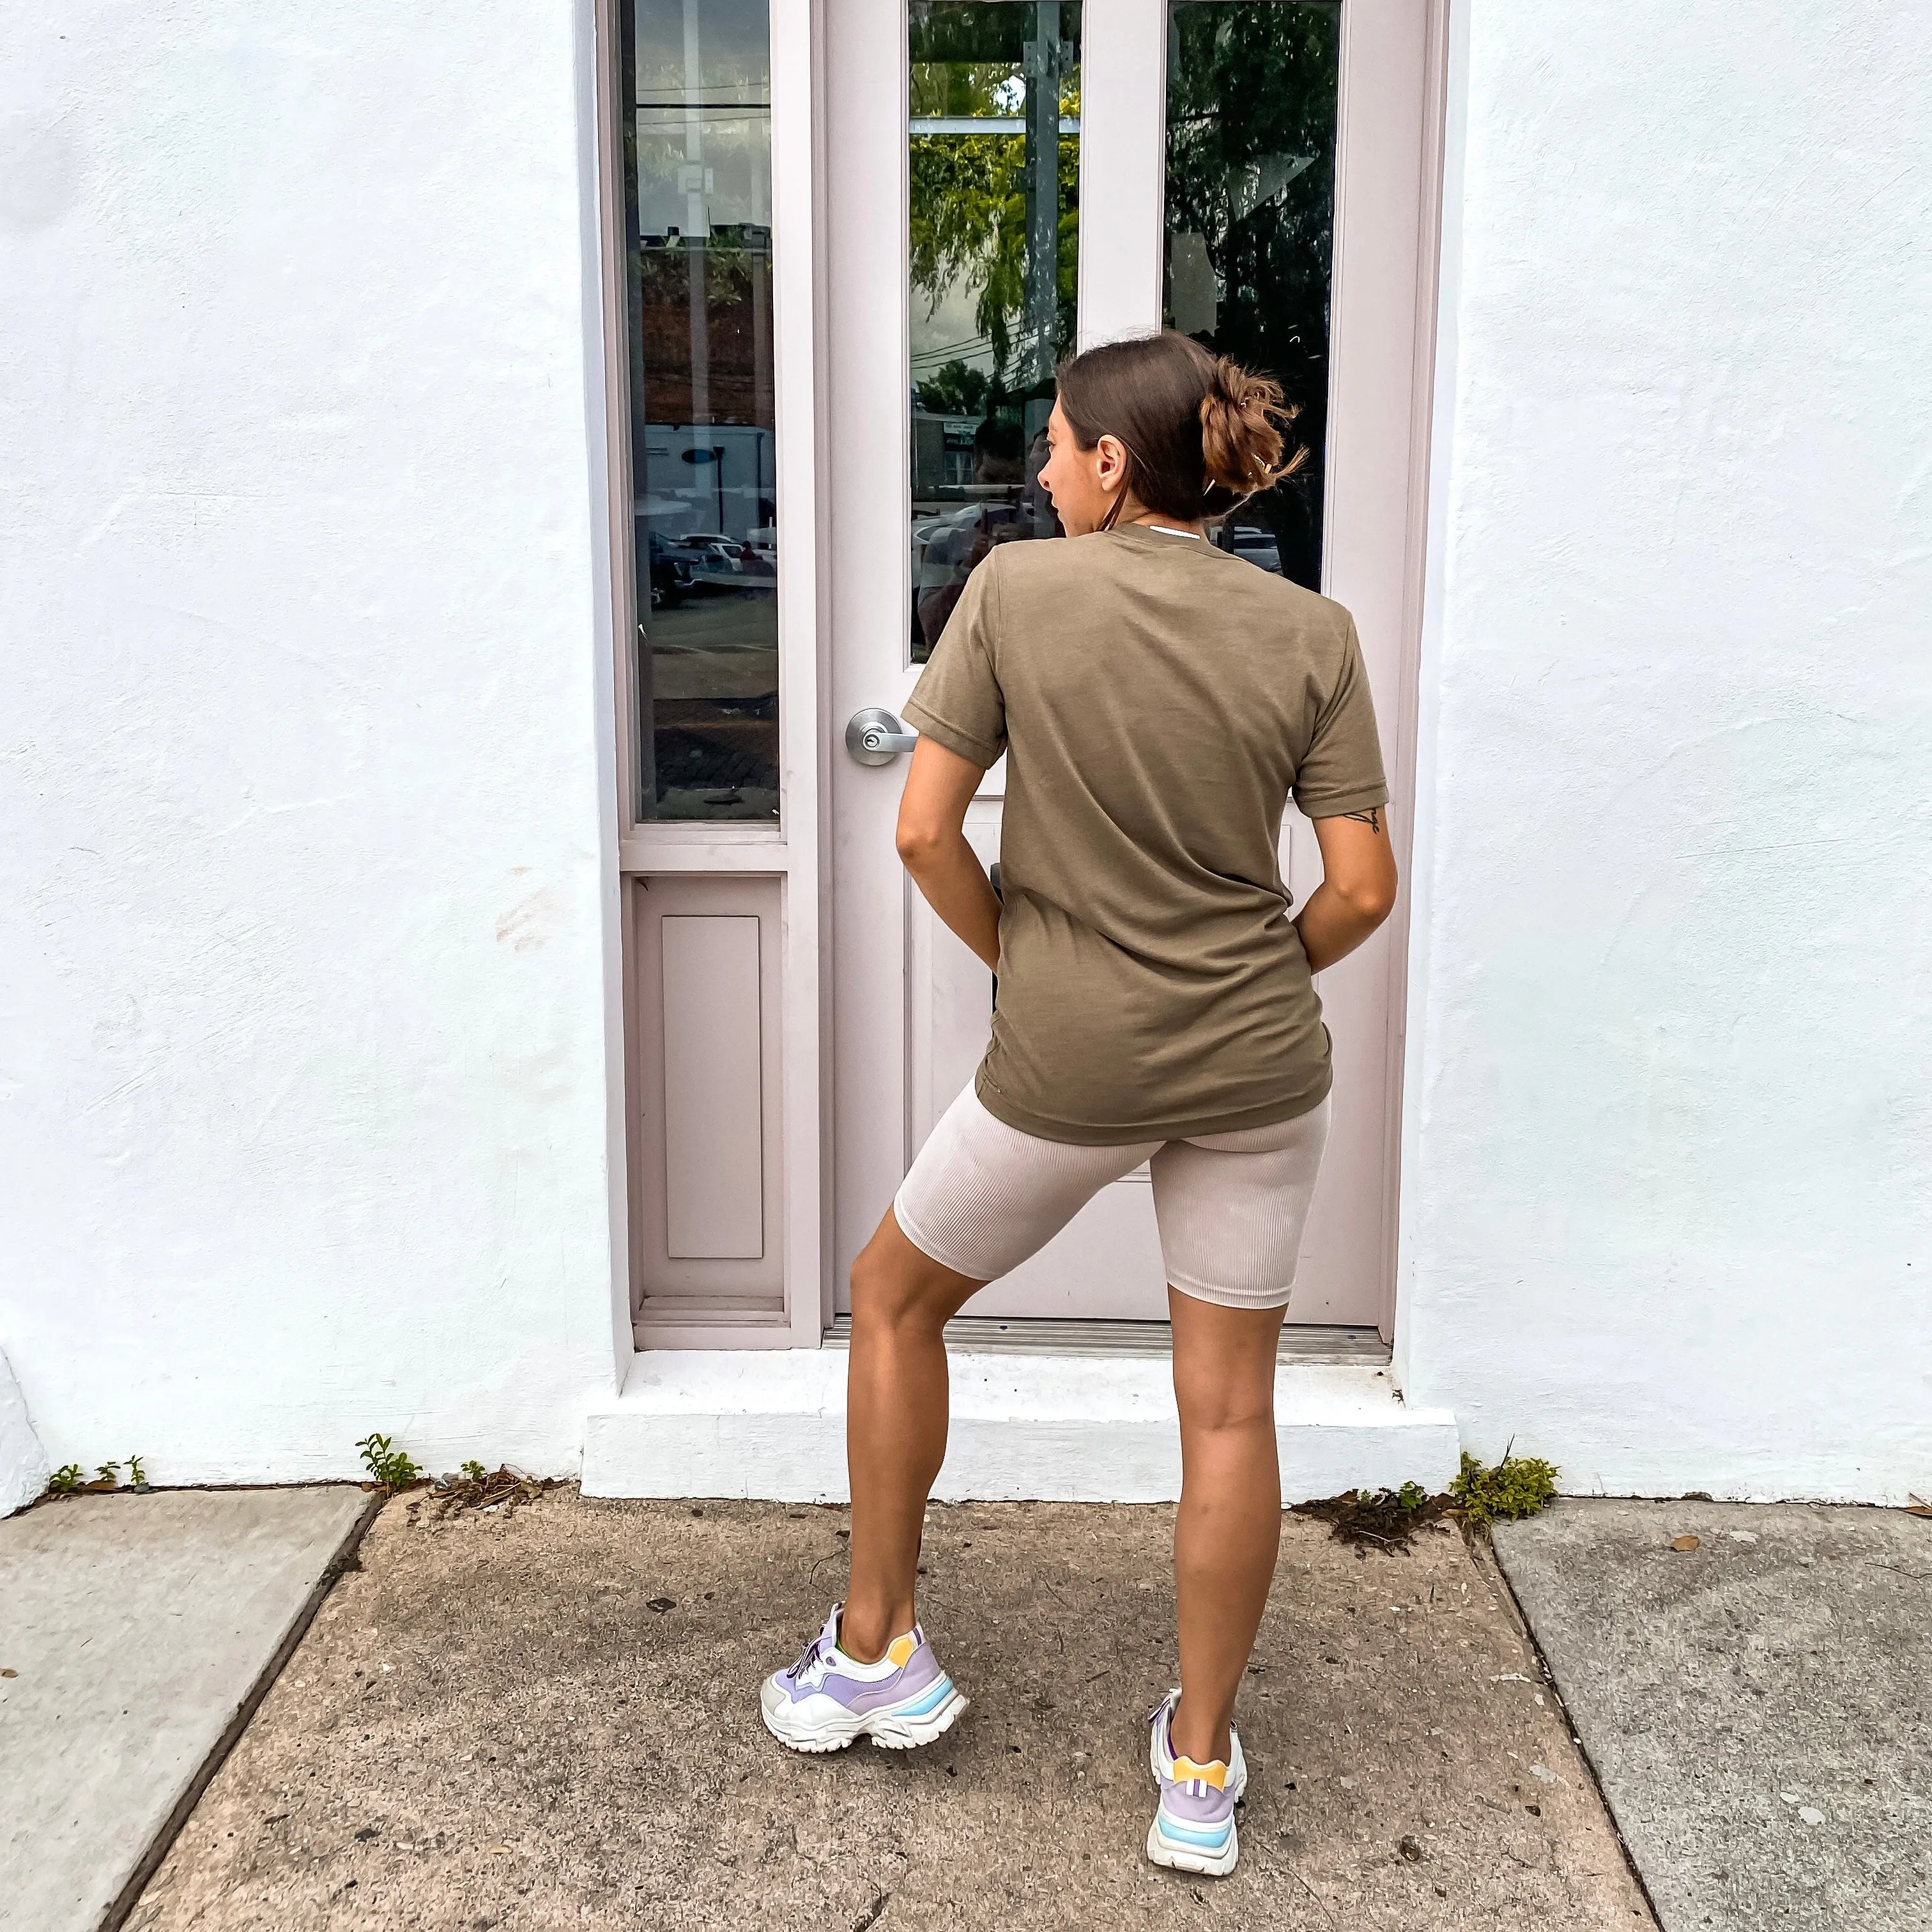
874	737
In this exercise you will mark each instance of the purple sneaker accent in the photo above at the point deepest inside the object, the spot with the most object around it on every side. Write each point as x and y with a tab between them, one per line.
1197	1803
1160	1747
921	1669
826	1700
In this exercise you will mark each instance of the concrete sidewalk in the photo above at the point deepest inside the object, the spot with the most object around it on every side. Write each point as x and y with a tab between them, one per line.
547	1718
135	1633
1759	1704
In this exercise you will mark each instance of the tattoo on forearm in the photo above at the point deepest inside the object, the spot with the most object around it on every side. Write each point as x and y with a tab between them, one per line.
1372	818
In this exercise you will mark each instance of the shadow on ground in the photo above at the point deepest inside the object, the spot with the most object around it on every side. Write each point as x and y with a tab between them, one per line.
548	1717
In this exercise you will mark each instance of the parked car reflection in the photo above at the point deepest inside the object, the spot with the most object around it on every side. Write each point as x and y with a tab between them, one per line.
1257	545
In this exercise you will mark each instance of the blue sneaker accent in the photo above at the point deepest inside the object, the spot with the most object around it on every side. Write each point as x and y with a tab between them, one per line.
1188	1834
931	1701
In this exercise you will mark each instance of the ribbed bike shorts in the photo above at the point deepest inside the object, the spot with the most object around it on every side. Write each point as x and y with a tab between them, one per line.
983	1197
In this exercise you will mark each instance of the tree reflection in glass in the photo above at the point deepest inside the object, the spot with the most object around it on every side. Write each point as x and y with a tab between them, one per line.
1252	89
994	93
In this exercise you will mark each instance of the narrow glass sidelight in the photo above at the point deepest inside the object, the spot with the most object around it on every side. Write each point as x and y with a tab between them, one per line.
697	200
993	101
1252	88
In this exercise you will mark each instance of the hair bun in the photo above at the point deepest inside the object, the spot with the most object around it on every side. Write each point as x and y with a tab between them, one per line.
1201	434
1243	419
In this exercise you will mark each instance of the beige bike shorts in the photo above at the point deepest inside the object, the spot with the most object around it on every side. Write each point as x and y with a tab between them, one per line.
983	1197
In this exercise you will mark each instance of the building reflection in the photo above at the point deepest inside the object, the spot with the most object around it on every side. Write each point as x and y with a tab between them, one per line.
705	672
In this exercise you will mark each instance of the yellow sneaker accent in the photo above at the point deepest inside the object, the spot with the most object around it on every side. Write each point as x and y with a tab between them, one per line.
901	1648
1186	1770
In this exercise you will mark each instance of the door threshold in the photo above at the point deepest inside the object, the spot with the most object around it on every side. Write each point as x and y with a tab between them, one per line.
1034	1335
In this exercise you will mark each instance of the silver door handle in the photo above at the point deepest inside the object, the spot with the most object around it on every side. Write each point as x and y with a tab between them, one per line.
874	737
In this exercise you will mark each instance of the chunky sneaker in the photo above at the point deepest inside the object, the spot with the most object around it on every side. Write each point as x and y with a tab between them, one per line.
1193	1828
826	1700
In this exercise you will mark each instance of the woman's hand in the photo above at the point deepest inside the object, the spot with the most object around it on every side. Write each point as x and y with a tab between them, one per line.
1357	888
932	846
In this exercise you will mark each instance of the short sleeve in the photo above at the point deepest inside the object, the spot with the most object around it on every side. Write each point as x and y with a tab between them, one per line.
1341	770
957	701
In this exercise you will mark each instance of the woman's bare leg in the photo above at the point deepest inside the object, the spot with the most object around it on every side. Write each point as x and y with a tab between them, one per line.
1227	1532
895	1417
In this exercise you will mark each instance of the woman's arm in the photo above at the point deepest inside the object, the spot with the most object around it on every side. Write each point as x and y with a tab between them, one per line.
1358	886
932	846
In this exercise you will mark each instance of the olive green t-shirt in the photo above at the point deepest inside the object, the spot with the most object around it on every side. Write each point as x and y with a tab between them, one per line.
1158	701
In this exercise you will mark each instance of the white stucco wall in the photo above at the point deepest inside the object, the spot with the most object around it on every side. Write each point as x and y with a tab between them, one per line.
24	1468
302	716
1668	1213
305	1023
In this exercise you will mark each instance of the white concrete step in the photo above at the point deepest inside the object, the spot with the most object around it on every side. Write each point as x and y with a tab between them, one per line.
771	1424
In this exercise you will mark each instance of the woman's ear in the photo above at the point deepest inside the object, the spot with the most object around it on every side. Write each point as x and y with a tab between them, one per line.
1110	471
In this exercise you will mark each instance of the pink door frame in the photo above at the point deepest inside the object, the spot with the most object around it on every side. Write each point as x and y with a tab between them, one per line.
1389	160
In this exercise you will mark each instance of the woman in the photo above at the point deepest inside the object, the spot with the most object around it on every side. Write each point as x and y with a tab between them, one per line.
1159	701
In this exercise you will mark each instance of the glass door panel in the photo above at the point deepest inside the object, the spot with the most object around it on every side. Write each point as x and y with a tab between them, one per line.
1252	98
697	222
993	244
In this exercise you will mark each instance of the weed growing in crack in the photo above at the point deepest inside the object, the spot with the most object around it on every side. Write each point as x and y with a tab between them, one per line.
389	1468
1519	1485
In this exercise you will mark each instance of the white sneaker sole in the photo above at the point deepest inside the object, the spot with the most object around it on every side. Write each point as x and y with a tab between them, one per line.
1161	1851
832	1729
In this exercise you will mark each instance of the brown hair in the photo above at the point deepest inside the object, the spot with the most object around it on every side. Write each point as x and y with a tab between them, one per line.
1201	433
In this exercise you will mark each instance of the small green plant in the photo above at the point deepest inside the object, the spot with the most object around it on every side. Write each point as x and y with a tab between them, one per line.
108	1473
389	1468
474	1472
1410	1496
137	1473
67	1479
1519	1485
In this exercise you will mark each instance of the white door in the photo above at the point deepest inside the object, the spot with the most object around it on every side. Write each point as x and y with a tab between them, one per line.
1005	179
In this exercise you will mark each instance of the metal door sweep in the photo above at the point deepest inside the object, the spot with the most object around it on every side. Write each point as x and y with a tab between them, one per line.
986	1335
